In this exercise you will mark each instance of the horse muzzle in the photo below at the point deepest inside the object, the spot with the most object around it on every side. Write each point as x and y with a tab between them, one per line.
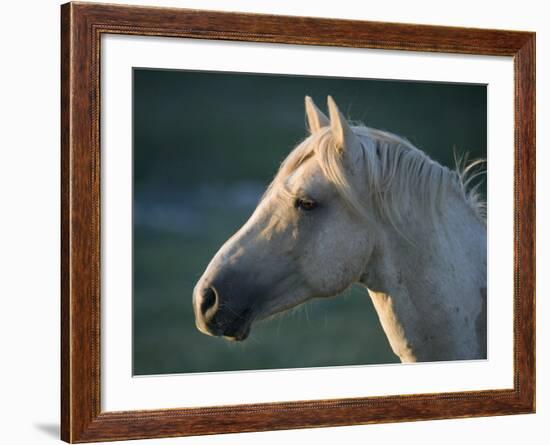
213	317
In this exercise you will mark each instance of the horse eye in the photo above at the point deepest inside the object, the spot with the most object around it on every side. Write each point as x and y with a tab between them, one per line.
305	204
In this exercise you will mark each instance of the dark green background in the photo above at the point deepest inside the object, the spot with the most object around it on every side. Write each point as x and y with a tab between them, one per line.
205	147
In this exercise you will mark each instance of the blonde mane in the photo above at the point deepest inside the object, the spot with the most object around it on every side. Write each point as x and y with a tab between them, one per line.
396	172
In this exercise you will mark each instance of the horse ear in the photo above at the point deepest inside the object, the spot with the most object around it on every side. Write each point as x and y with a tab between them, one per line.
316	119
341	130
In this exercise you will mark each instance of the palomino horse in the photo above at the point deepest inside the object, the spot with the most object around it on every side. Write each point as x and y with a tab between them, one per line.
351	204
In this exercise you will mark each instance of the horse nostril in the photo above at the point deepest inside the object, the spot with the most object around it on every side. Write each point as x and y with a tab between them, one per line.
209	299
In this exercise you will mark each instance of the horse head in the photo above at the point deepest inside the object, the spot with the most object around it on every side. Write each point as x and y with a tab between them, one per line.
302	241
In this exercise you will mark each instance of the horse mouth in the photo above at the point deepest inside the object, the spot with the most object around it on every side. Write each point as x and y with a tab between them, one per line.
239	335
235	329
239	328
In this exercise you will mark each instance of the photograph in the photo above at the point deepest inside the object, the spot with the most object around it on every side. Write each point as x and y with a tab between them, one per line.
289	221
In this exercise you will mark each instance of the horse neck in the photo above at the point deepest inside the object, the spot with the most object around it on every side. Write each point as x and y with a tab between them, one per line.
429	292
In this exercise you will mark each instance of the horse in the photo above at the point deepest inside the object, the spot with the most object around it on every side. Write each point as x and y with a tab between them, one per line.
353	204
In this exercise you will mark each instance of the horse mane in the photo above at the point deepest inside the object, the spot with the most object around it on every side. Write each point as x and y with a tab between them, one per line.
397	173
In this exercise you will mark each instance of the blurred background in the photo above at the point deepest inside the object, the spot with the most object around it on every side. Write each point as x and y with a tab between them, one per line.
206	145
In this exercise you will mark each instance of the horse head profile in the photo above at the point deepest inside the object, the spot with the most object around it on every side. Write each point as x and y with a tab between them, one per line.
352	204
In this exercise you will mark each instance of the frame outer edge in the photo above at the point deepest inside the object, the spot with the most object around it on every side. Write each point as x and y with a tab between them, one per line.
79	229
66	47
525	171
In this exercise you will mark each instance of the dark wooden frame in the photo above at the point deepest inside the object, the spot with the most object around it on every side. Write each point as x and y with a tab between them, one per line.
82	25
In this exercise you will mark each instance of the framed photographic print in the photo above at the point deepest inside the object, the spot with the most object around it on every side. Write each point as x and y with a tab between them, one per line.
275	222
